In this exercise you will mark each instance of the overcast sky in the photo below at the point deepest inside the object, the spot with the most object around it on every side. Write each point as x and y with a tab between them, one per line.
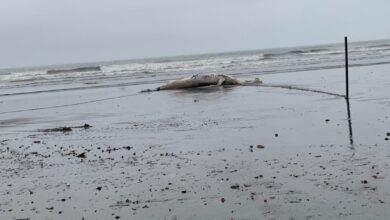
43	32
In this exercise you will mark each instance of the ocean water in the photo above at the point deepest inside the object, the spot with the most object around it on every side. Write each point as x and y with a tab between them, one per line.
157	70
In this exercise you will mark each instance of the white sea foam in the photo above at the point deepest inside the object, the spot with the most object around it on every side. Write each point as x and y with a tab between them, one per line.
22	76
258	62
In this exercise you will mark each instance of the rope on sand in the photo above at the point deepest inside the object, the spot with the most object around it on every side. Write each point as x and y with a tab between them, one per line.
68	105
301	89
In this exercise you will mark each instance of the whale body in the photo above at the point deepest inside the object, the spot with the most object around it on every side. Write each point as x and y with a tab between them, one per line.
204	80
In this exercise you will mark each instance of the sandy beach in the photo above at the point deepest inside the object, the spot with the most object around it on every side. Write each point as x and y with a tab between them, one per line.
210	153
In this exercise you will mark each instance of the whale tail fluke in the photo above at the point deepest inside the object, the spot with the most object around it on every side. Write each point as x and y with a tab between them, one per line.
256	81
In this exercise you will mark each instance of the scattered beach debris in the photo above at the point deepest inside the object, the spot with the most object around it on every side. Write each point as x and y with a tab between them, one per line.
82	155
86	126
59	129
259	146
65	129
271	183
259	176
235	186
127	147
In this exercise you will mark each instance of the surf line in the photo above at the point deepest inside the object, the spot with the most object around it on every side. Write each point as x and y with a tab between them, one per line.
68	105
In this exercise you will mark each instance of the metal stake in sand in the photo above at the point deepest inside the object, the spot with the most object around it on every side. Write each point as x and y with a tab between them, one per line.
346	68
347	92
349	122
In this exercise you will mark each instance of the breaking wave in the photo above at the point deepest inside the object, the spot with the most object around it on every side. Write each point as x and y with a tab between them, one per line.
79	69
235	63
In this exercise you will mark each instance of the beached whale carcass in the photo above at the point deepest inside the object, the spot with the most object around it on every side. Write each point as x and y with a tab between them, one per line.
204	80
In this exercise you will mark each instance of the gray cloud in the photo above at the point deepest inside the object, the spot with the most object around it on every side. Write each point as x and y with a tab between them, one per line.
42	32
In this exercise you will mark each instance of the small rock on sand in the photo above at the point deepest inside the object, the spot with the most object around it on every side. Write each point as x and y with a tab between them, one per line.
235	186
82	155
259	146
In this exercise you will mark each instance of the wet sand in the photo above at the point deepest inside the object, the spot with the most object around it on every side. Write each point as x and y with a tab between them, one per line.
214	153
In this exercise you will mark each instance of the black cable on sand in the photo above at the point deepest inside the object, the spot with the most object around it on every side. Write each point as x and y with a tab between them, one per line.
301	89
68	105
